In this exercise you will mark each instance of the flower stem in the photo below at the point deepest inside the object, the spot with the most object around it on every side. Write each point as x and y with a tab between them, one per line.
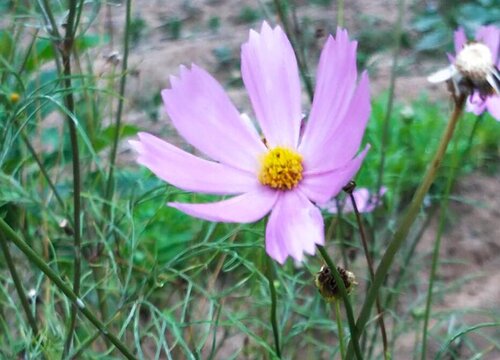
273	316
339	329
340	13
7	231
19	287
299	55
369	261
408	219
470	141
66	48
44	173
112	158
437	245
390	99
345	298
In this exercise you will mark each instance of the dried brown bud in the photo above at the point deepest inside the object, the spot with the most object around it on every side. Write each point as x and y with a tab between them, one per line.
327	286
66	227
349	188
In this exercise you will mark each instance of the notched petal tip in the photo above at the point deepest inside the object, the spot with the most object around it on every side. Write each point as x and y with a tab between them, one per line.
137	146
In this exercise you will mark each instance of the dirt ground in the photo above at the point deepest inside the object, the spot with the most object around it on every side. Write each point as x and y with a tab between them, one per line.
470	250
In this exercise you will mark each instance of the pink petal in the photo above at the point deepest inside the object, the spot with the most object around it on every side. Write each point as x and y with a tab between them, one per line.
339	146
245	208
475	104
271	77
203	114
322	187
336	82
189	172
459	39
365	201
490	36
295	226
493	105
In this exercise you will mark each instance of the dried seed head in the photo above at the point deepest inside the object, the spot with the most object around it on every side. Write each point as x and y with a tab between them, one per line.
475	62
349	188
66	227
327	286
473	71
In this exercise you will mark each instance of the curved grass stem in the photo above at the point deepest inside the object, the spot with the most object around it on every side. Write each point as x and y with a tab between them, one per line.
408	218
10	234
18	284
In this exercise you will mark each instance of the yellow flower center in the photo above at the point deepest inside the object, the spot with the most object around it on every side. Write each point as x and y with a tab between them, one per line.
281	169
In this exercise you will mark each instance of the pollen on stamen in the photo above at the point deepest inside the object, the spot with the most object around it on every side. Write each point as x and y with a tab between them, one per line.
281	169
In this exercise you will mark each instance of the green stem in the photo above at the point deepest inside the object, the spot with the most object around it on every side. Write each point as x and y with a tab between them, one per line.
408	219
369	261
345	299
301	62
478	121
437	245
119	111
339	329
44	172
19	287
66	48
340	13
7	231
390	100
273	316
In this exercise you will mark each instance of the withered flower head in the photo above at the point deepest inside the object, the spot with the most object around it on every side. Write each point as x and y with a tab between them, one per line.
473	71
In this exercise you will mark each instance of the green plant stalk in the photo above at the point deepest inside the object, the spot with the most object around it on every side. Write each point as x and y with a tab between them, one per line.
273	316
369	261
66	48
304	73
479	120
340	13
54	30
339	329
408	218
44	172
19	286
437	245
7	231
390	100
391	298
345	299
123	80
435	261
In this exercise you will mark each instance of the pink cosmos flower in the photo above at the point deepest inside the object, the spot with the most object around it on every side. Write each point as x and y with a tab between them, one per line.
489	36
288	172
365	202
